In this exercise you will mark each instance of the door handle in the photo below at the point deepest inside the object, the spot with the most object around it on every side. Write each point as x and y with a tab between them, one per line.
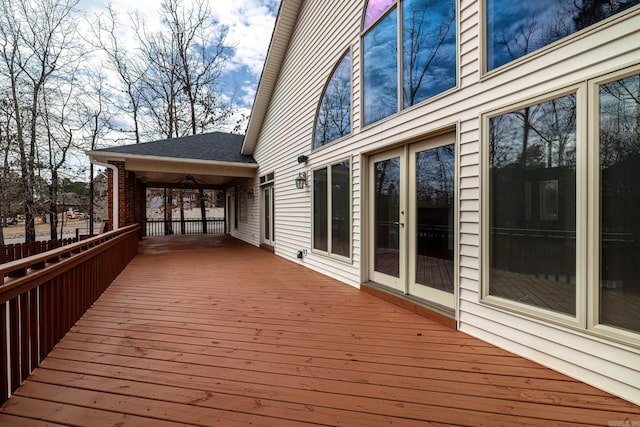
399	223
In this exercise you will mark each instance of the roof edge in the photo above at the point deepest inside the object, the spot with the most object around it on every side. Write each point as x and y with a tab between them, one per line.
285	24
104	156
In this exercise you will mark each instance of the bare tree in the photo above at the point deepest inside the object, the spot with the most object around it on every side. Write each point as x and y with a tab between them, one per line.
37	39
63	120
201	54
423	43
7	175
184	62
127	66
97	126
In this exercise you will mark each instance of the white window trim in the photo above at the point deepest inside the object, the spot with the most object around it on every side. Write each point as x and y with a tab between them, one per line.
579	321
587	214
594	208
400	108
544	50
328	252
349	52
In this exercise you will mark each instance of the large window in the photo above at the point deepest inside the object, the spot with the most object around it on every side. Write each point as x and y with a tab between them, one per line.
532	185
334	113
619	195
563	233
425	54
380	70
332	209
516	28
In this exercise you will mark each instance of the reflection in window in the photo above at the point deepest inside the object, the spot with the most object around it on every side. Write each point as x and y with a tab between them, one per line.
380	70
619	201
429	49
429	55
334	113
387	217
332	209
340	209
532	191
515	29
549	200
435	170
375	9
320	210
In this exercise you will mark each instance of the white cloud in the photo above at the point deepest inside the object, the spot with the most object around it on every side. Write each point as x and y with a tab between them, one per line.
249	24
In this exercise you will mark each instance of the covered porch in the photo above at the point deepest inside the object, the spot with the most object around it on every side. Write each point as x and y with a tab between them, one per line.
150	183
208	330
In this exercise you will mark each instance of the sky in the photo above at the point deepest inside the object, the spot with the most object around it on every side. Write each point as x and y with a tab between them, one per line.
250	25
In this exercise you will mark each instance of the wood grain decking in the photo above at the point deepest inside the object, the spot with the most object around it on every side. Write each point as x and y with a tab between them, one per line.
211	331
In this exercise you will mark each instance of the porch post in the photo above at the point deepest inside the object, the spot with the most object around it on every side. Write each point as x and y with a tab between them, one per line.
121	184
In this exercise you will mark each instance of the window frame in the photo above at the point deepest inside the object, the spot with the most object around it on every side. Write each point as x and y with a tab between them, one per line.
329	253
571	39
579	321
400	109
587	213
623	335
349	52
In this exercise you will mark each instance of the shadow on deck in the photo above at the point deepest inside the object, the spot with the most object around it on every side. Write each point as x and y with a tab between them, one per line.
207	330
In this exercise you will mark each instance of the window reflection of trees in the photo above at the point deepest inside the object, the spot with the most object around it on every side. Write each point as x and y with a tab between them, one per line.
619	120
428	66
533	204
428	49
538	136
515	29
435	177
334	113
380	68
619	190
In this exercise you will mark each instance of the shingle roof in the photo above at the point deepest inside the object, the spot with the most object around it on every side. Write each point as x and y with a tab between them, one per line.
215	146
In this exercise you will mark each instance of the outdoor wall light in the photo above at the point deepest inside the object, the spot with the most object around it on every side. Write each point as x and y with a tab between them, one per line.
250	194
301	180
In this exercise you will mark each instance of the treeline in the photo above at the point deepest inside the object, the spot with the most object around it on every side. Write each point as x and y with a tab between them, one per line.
71	82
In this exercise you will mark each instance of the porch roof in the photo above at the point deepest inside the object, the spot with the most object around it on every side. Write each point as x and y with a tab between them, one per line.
206	160
208	330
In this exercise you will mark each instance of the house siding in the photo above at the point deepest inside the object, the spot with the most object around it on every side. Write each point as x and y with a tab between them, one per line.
287	132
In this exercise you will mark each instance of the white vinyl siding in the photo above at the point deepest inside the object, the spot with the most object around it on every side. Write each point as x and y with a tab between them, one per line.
324	30
249	226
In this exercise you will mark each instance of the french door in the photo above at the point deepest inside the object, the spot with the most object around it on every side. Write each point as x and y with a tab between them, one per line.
412	227
267	223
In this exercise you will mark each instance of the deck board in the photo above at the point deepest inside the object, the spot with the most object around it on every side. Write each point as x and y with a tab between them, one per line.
216	332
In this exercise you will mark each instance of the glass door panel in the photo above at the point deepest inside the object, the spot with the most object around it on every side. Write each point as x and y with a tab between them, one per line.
388	223
415	185
432	204
268	219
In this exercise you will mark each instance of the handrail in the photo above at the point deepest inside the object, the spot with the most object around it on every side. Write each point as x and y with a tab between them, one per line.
27	273
14	251
42	296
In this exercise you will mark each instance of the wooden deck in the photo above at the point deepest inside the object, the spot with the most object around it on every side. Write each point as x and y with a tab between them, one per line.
211	331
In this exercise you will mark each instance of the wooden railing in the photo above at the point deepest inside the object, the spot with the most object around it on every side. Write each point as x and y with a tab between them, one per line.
42	296
161	227
14	251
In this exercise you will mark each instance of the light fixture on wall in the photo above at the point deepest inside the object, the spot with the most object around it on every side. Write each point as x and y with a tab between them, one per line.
301	180
250	194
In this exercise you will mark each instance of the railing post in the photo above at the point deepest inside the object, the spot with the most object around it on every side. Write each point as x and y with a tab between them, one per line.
4	353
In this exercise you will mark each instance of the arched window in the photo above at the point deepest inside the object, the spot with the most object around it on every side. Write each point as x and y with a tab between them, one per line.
333	120
426	55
